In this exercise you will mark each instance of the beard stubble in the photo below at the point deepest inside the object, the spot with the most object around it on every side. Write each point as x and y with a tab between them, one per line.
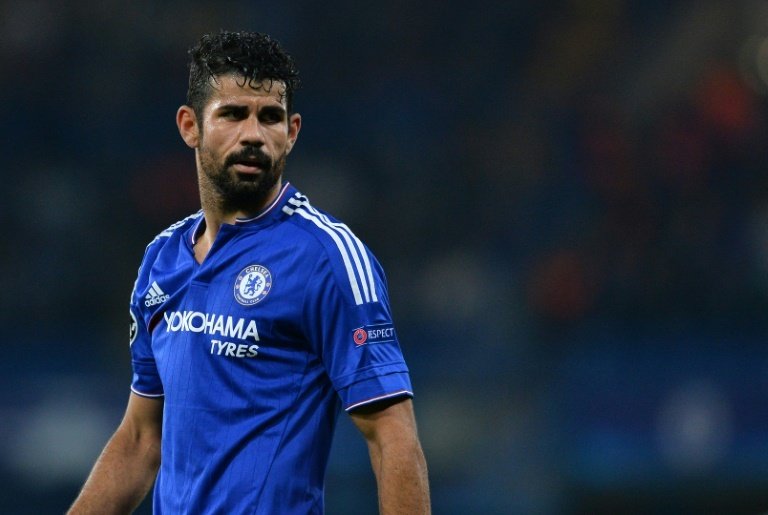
234	191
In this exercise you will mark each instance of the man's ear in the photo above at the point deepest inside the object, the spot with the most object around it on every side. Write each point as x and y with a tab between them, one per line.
186	121
294	126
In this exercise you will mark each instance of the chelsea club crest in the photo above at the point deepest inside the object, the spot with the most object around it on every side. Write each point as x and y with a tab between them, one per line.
252	285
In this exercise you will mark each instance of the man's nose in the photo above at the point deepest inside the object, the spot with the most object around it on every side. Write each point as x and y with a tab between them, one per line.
252	132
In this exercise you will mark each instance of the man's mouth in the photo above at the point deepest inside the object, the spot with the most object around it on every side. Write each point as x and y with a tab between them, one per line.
250	166
244	167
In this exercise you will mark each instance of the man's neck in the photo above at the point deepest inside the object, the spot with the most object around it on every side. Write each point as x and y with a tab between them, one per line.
216	214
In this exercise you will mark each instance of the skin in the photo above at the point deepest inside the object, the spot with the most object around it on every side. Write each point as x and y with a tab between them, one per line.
396	457
237	117
128	465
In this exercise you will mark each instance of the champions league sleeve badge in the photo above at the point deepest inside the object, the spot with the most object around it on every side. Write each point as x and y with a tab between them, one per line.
134	328
252	285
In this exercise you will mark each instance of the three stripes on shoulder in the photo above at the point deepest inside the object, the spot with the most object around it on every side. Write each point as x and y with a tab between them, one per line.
353	253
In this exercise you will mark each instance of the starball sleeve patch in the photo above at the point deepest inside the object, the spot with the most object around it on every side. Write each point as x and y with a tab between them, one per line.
133	328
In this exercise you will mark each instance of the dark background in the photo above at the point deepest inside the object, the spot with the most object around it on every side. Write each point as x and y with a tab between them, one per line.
569	197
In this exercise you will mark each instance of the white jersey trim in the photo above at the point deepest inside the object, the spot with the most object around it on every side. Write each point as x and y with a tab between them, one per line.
150	395
360	273
167	233
342	251
379	398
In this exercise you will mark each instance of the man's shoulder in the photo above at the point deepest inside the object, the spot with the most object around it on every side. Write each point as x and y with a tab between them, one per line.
174	230
314	221
154	255
352	262
321	231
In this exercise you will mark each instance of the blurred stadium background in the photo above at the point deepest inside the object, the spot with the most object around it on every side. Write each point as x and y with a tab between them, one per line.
570	199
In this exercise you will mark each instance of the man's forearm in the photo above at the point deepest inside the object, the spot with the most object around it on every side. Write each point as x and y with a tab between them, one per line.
121	477
401	476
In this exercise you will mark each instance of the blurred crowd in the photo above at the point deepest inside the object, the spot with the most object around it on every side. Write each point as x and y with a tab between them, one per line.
570	201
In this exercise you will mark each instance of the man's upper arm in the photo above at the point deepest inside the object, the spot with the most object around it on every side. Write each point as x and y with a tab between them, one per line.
143	417
396	456
386	419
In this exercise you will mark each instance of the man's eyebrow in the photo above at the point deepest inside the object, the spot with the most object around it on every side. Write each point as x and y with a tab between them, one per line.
231	107
273	109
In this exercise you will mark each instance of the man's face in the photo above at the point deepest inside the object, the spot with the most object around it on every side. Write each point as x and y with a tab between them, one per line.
245	136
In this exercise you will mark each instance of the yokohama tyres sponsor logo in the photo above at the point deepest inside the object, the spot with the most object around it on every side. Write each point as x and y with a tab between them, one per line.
211	324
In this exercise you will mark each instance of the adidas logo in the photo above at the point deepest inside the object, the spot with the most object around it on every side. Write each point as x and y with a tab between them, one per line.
155	295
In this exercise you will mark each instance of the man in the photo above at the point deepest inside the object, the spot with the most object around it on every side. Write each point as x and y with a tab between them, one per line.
254	322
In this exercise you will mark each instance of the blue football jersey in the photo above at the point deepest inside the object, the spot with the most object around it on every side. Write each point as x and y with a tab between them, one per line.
256	351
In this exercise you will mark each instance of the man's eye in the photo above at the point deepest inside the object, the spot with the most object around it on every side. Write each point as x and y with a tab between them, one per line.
271	118
232	114
271	115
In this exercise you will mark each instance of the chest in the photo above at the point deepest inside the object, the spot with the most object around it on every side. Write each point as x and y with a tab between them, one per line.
244	302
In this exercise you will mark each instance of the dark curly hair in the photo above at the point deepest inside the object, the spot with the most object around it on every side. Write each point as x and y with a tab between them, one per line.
253	56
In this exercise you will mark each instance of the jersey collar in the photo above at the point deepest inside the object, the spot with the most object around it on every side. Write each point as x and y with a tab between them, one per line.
270	210
267	214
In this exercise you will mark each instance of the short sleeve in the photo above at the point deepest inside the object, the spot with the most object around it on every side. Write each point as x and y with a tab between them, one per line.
146	379
356	340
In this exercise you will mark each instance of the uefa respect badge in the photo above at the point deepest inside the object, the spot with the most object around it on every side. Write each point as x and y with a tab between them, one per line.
372	334
252	285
